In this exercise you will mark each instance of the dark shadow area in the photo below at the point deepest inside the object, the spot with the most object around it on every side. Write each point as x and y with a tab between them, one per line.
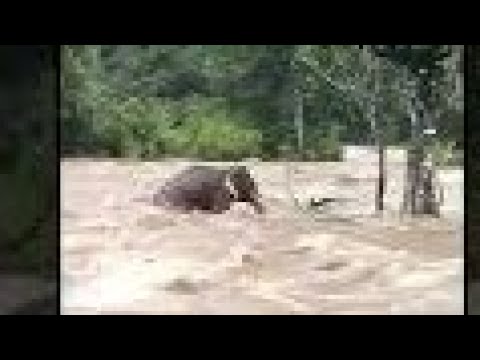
43	306
473	187
28	178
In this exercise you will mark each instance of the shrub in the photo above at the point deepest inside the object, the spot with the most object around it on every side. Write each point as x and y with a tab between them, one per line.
209	130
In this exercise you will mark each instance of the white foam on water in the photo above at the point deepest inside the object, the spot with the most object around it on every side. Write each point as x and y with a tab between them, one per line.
127	281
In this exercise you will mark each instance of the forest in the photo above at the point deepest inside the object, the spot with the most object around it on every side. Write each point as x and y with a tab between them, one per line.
228	102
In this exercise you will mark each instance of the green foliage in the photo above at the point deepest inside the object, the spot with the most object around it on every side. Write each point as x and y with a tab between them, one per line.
210	131
324	146
444	154
230	101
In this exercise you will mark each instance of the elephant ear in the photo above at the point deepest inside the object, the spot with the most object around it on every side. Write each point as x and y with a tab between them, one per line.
231	186
242	181
245	187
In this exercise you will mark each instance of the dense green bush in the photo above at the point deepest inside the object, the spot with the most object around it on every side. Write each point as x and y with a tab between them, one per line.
323	145
226	102
208	129
153	128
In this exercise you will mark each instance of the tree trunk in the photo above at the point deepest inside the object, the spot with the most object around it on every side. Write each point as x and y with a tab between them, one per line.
381	177
298	119
377	142
419	195
378	132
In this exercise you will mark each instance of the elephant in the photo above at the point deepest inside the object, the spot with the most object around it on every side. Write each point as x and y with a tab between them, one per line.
209	189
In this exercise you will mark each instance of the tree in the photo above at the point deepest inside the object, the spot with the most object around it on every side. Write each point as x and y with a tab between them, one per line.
365	89
421	68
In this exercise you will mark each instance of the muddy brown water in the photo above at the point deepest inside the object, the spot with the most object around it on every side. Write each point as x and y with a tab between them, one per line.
121	256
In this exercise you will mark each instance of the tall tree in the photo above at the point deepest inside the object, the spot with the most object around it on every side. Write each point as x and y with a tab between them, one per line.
421	65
